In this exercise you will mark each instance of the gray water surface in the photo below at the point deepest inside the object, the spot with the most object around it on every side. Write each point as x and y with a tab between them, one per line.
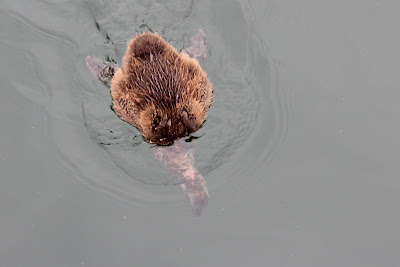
300	148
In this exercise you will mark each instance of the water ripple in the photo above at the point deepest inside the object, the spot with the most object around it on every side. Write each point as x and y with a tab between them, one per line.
248	120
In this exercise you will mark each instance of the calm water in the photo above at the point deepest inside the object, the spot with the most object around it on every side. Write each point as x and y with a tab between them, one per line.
300	148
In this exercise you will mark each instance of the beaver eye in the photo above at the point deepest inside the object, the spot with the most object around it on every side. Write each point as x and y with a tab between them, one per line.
156	122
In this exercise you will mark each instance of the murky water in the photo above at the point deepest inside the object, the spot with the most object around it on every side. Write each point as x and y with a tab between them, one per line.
299	150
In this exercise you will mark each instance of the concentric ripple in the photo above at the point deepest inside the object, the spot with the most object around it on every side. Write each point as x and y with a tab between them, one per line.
248	119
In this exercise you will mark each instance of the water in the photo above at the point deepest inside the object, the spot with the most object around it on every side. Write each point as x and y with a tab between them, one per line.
299	149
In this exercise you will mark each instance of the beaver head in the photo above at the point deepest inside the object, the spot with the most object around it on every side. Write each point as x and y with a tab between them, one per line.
164	125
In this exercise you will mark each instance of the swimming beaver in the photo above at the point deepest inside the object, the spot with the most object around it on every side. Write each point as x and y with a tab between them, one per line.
163	93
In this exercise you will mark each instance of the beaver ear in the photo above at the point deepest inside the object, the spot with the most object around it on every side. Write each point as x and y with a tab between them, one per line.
156	121
189	120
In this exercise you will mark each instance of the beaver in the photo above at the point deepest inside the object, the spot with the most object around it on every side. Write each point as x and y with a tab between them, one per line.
166	95
163	93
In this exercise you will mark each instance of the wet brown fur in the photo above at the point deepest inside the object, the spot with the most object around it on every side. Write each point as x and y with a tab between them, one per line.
163	93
